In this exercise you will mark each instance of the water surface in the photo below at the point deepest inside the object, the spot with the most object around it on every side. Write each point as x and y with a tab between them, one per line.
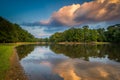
70	62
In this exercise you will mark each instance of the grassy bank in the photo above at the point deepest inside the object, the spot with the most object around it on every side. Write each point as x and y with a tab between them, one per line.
6	51
5	54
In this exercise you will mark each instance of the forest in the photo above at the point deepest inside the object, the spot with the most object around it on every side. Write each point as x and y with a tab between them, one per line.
85	34
10	33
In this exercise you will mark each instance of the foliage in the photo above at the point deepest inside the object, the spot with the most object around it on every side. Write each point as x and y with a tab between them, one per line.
57	37
10	32
101	35
84	34
75	35
113	33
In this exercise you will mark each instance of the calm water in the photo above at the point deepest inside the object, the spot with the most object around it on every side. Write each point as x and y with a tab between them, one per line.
70	62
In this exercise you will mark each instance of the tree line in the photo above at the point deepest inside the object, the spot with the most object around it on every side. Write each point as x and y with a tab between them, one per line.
85	34
10	32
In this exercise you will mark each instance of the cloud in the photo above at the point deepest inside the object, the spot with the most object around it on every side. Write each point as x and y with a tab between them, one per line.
38	32
43	32
98	11
62	17
88	12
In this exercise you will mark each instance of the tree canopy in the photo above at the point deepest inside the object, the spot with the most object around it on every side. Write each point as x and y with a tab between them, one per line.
10	32
84	34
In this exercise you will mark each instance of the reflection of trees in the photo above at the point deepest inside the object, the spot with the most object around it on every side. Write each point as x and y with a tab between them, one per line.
114	52
111	50
24	50
76	51
86	51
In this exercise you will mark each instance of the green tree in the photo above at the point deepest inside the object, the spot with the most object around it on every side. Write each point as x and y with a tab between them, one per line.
86	33
101	35
10	32
57	37
93	35
113	33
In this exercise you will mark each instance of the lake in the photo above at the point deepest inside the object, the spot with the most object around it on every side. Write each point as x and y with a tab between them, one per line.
70	62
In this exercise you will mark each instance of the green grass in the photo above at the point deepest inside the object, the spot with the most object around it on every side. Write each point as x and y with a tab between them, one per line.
6	51
5	54
101	42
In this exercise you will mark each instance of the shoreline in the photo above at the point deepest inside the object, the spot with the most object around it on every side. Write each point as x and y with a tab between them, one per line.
15	71
92	43
25	43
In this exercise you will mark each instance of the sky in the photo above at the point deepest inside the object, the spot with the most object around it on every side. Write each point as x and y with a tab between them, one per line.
42	18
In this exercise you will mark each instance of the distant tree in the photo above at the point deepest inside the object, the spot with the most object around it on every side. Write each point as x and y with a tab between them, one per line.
113	33
101	35
93	35
84	34
57	37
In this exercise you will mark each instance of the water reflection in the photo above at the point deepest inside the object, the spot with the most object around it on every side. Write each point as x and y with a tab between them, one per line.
88	51
76	69
24	50
60	62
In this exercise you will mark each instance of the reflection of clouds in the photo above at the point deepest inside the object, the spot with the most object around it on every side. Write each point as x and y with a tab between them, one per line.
46	63
105	60
38	53
71	75
43	54
102	72
75	69
43	62
66	70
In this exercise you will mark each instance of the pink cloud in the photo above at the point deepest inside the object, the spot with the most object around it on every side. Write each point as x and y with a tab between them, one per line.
88	12
64	16
98	11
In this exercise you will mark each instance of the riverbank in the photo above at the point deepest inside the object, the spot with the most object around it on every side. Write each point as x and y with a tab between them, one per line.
10	67
15	71
93	43
5	53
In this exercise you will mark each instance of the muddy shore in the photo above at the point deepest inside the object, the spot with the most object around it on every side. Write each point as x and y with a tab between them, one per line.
16	71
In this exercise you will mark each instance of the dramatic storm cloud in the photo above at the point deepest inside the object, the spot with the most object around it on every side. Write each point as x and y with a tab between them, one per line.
86	13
